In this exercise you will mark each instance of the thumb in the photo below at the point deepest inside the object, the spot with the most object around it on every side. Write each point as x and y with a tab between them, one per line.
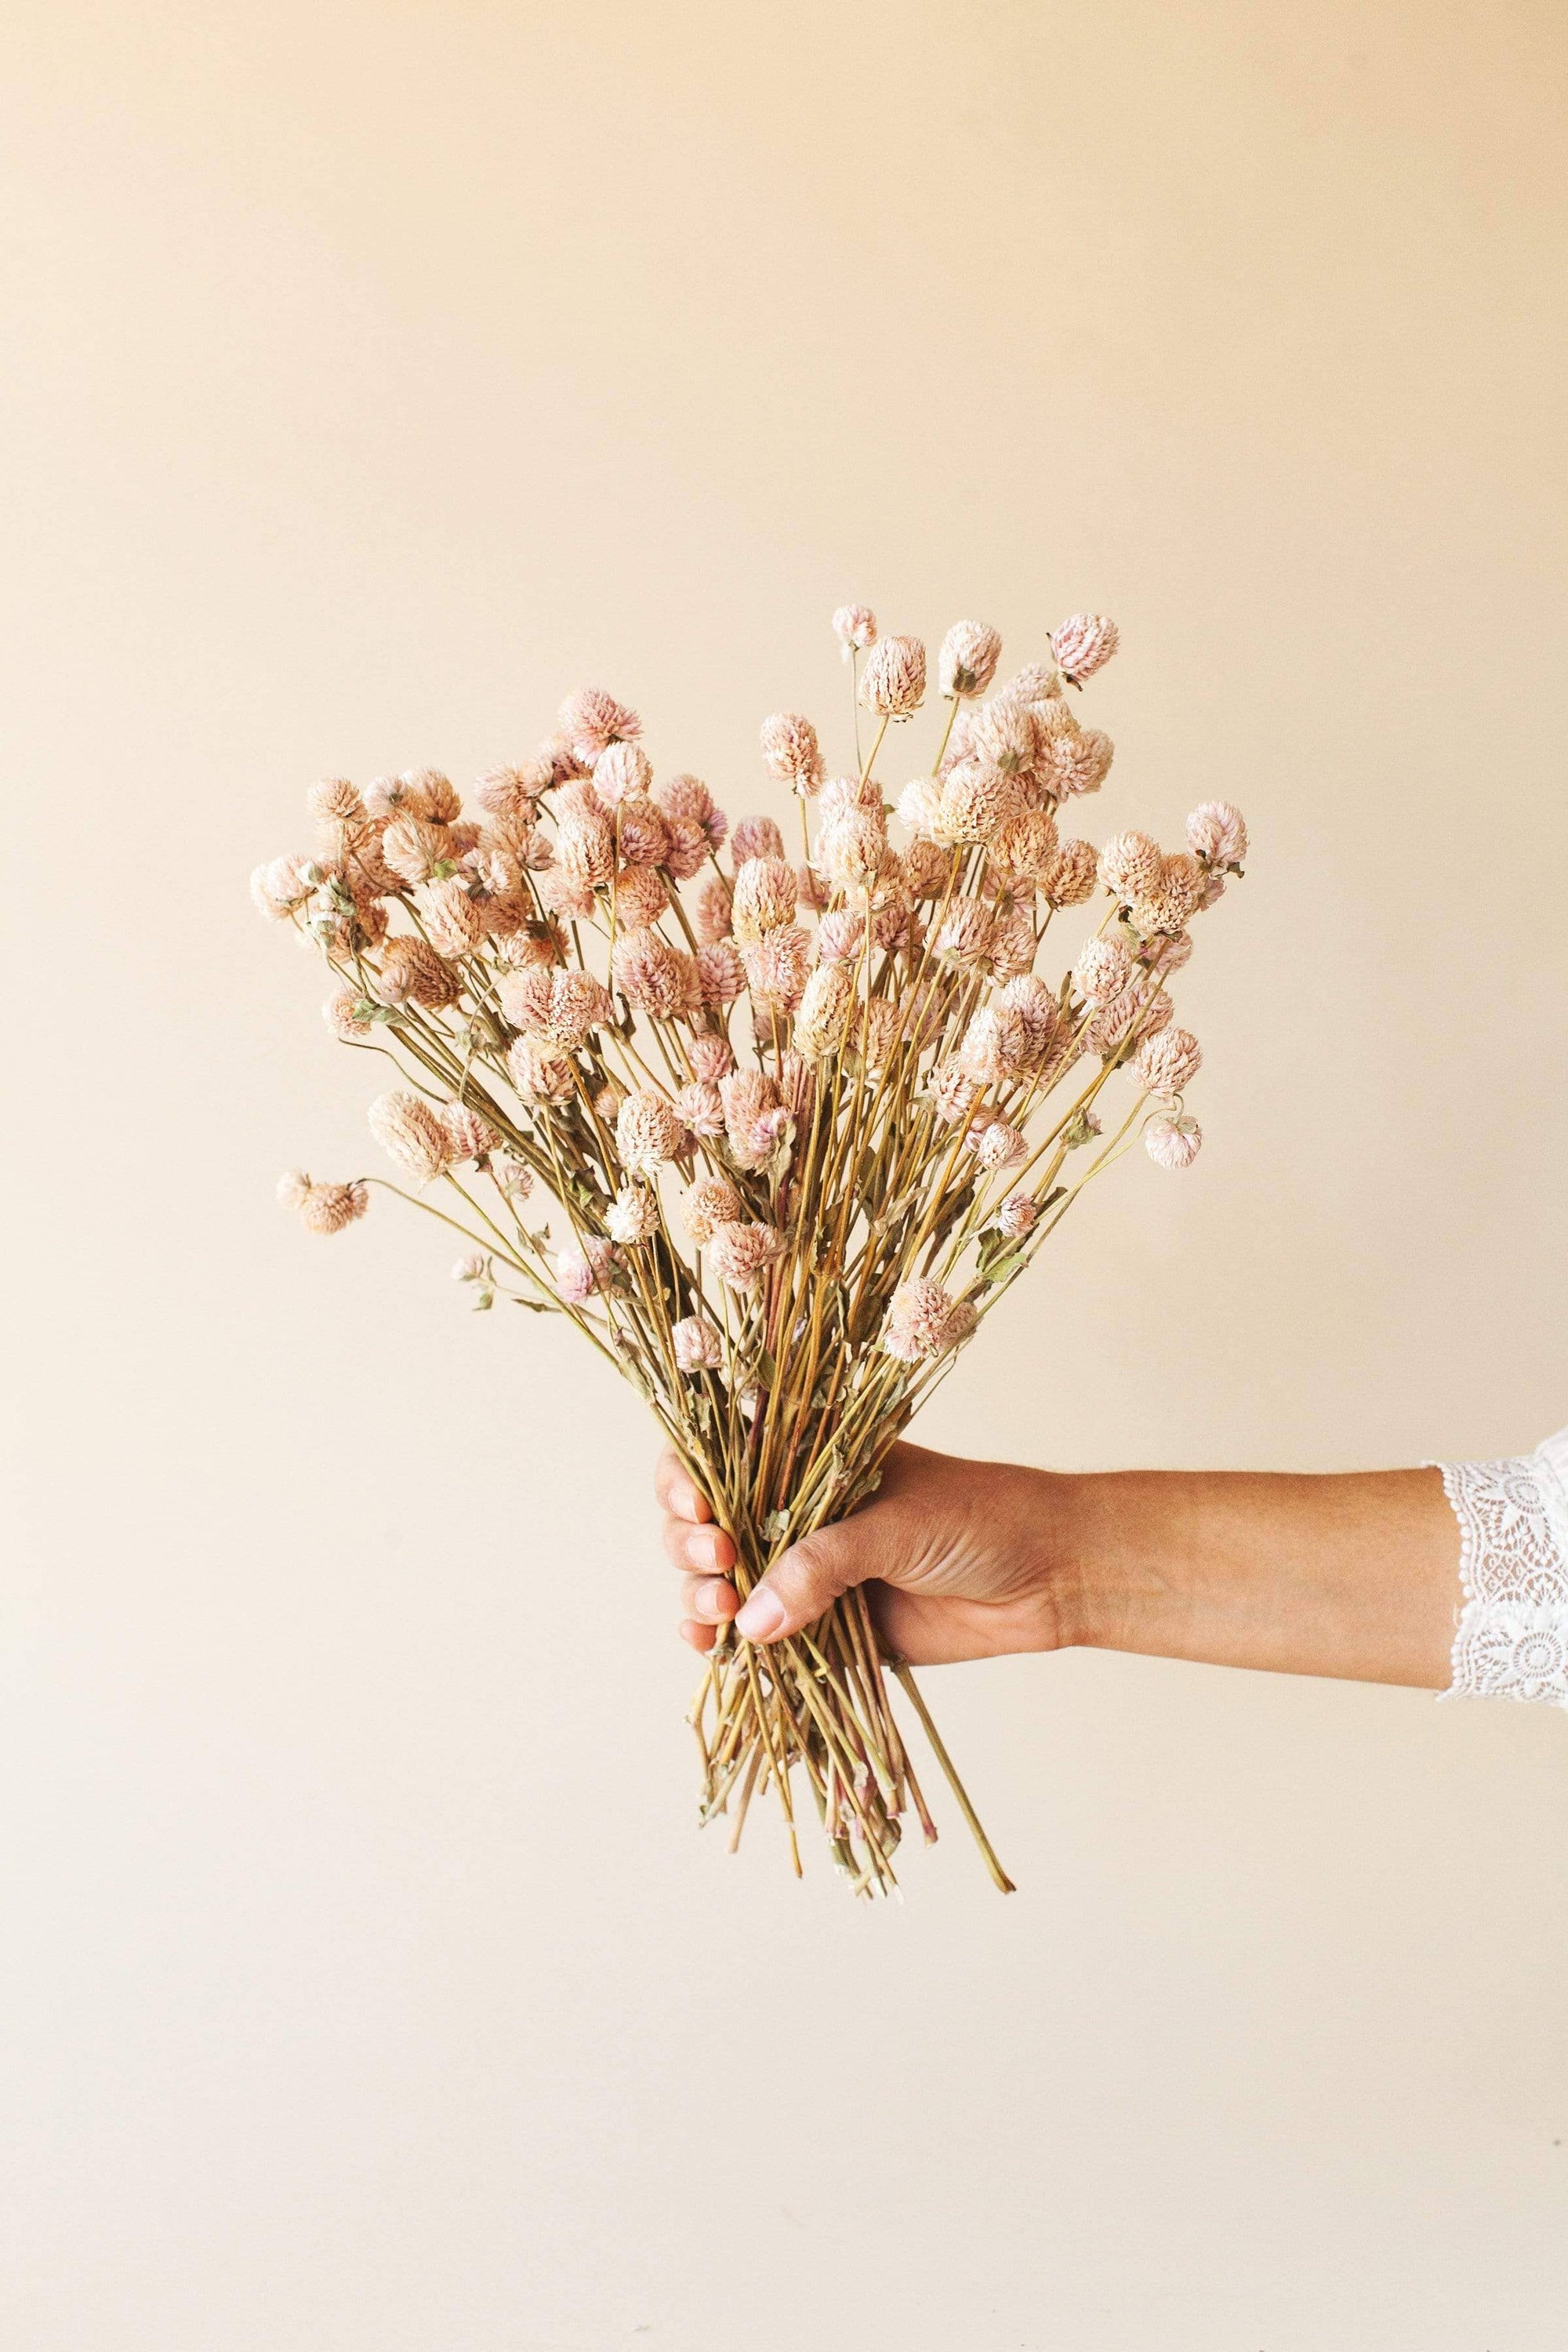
805	1582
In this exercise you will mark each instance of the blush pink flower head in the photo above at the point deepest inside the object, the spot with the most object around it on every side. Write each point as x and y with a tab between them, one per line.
1169	1062
855	626
700	1107
655	977
791	751
1216	832
721	975
591	721
1075	761
512	791
740	1253
967	661
640	898
470	1136
1069	876
749	1096
580	1271
1084	643
641	833
711	916
755	837
1103	971
711	1059
1000	1144
839	934
1018	1216
699	1347
776	966
347	1015
924	1320
1173	1142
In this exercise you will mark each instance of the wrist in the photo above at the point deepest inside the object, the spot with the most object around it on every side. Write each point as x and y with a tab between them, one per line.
1072	1559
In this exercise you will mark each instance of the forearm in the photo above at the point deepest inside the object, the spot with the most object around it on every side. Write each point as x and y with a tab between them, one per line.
1353	1576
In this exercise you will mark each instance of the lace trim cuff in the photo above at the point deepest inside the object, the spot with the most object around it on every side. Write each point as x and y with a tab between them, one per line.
1512	1636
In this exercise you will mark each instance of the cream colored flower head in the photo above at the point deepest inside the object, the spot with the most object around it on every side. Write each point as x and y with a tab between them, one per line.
854	849
967	661
633	1216
322	1208
336	802
893	681
1070	877
412	1132
1130	866
919	807
709	1203
977	799
283	885
623	772
539	1072
765	897
648	1132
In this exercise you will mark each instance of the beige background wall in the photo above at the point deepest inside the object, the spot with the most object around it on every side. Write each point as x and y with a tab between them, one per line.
374	374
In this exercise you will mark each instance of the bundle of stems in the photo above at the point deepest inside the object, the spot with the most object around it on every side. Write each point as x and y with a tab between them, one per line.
774	1132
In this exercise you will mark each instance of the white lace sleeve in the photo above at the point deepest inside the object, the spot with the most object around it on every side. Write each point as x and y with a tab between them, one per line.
1512	1636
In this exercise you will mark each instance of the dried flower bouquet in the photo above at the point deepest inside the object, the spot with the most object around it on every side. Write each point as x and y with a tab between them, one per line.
774	1133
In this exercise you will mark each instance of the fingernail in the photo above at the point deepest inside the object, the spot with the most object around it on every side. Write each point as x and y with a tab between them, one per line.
761	1618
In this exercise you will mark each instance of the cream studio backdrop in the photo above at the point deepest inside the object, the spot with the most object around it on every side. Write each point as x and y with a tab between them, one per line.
375	375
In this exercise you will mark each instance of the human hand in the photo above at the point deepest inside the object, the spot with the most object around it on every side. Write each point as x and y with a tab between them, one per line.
964	1559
